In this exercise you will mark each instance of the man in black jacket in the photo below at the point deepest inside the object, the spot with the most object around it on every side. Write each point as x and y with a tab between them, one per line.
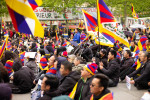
87	53
127	61
49	84
141	76
126	64
68	81
22	79
112	70
98	87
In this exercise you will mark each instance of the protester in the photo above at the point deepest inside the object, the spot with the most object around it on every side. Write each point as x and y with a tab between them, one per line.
14	48
49	84
68	81
127	61
71	58
76	37
98	88
32	65
87	53
141	76
6	92
112	70
81	90
78	64
4	77
22	79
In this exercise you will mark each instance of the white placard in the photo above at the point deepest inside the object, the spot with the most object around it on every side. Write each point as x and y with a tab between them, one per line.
40	82
146	96
38	57
128	79
30	54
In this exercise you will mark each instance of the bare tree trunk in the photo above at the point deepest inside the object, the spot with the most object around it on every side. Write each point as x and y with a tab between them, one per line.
125	12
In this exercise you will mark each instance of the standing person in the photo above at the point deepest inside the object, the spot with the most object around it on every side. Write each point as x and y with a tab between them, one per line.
112	70
83	35
76	37
81	90
98	88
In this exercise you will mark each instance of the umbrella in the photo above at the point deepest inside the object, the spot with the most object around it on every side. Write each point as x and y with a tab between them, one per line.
137	26
74	43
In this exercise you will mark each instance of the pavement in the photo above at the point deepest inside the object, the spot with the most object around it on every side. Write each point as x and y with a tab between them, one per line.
120	93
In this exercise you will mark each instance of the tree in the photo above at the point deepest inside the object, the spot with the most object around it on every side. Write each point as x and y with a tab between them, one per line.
3	8
123	7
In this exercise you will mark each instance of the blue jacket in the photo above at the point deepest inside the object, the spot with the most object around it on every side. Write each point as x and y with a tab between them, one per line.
77	37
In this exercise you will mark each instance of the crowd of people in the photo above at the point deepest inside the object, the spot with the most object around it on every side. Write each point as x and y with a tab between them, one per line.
83	73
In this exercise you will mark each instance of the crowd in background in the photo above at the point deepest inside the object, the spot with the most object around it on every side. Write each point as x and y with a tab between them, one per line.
81	73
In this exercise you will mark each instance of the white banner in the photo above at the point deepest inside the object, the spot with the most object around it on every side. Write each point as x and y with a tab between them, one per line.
46	14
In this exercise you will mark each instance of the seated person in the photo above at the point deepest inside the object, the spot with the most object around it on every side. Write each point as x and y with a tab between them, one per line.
98	88
78	64
22	79
49	84
141	75
112	70
6	92
125	63
70	78
81	90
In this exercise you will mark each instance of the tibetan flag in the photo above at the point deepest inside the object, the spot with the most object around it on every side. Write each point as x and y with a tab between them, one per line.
107	23
118	55
2	48
66	43
118	47
21	56
8	46
73	92
137	64
8	66
142	43
43	63
52	71
135	16
2	23
92	21
6	33
24	18
83	36
136	51
81	25
56	36
133	36
109	37
108	96
35	3
91	24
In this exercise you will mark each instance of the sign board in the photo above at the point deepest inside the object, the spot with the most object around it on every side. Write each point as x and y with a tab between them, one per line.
46	14
143	21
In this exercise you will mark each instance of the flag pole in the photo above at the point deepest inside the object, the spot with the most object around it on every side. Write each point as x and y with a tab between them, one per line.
98	23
